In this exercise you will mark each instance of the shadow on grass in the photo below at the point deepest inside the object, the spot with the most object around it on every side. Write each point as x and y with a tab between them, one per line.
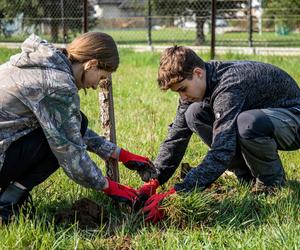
294	185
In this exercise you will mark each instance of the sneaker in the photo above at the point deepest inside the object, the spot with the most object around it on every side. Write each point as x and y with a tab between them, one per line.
271	189
260	188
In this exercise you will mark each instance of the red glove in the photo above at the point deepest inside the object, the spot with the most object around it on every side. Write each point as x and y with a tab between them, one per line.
145	191
120	192
134	162
149	188
153	211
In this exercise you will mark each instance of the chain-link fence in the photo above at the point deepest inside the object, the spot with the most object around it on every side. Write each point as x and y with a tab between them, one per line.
258	23
155	22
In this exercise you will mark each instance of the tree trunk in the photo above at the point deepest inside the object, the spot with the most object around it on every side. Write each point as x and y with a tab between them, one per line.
200	38
107	118
54	31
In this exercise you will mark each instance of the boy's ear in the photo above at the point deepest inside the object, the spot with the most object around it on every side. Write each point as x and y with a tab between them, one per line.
90	64
198	71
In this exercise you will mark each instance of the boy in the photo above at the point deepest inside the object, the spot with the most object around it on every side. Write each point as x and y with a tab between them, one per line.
244	111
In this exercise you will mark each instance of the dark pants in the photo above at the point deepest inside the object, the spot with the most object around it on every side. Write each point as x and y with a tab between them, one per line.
29	160
261	133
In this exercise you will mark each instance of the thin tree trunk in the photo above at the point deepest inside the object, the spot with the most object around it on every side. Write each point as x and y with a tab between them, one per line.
108	125
200	37
54	30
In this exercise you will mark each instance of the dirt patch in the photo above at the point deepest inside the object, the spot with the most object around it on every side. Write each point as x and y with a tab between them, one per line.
87	213
119	243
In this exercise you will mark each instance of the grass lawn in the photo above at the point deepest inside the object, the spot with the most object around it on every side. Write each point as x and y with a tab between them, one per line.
228	217
185	37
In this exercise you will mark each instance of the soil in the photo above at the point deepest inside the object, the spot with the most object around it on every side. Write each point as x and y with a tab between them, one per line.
87	213
120	243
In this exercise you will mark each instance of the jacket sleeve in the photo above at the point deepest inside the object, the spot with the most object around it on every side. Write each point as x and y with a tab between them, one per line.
173	148
99	145
59	116
227	105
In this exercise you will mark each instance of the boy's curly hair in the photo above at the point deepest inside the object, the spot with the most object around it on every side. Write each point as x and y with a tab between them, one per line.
176	64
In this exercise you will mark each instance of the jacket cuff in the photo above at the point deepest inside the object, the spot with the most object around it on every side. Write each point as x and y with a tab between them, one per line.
180	187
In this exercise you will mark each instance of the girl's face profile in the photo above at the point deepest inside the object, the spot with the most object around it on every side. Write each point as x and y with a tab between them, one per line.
93	76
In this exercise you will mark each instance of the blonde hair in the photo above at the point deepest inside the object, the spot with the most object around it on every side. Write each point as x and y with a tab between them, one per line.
94	45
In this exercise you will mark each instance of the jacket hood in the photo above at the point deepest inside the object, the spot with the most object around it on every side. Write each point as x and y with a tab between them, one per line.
39	53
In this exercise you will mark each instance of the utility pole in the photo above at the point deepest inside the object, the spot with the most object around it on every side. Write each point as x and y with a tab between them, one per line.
85	16
250	24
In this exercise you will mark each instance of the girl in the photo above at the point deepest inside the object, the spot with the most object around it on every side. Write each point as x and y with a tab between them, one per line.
41	126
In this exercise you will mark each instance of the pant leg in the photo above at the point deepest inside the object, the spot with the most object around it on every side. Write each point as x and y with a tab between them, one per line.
29	160
200	119
26	156
261	134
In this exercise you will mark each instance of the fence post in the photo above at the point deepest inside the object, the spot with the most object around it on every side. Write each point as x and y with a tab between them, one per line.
213	28
62	7
250	24
149	23
107	117
85	17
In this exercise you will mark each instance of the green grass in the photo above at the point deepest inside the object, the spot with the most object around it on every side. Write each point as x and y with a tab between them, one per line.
230	218
188	37
185	37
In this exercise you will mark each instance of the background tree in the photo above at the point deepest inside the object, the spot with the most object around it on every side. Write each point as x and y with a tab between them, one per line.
200	9
60	15
284	12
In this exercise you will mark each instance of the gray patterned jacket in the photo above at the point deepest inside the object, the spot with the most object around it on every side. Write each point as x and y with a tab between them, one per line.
38	89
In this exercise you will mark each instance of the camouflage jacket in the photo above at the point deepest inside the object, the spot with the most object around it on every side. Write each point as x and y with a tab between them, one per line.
38	90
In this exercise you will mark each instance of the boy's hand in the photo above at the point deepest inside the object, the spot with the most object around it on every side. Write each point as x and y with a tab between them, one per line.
120	192
153	211
149	188
145	191
139	163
